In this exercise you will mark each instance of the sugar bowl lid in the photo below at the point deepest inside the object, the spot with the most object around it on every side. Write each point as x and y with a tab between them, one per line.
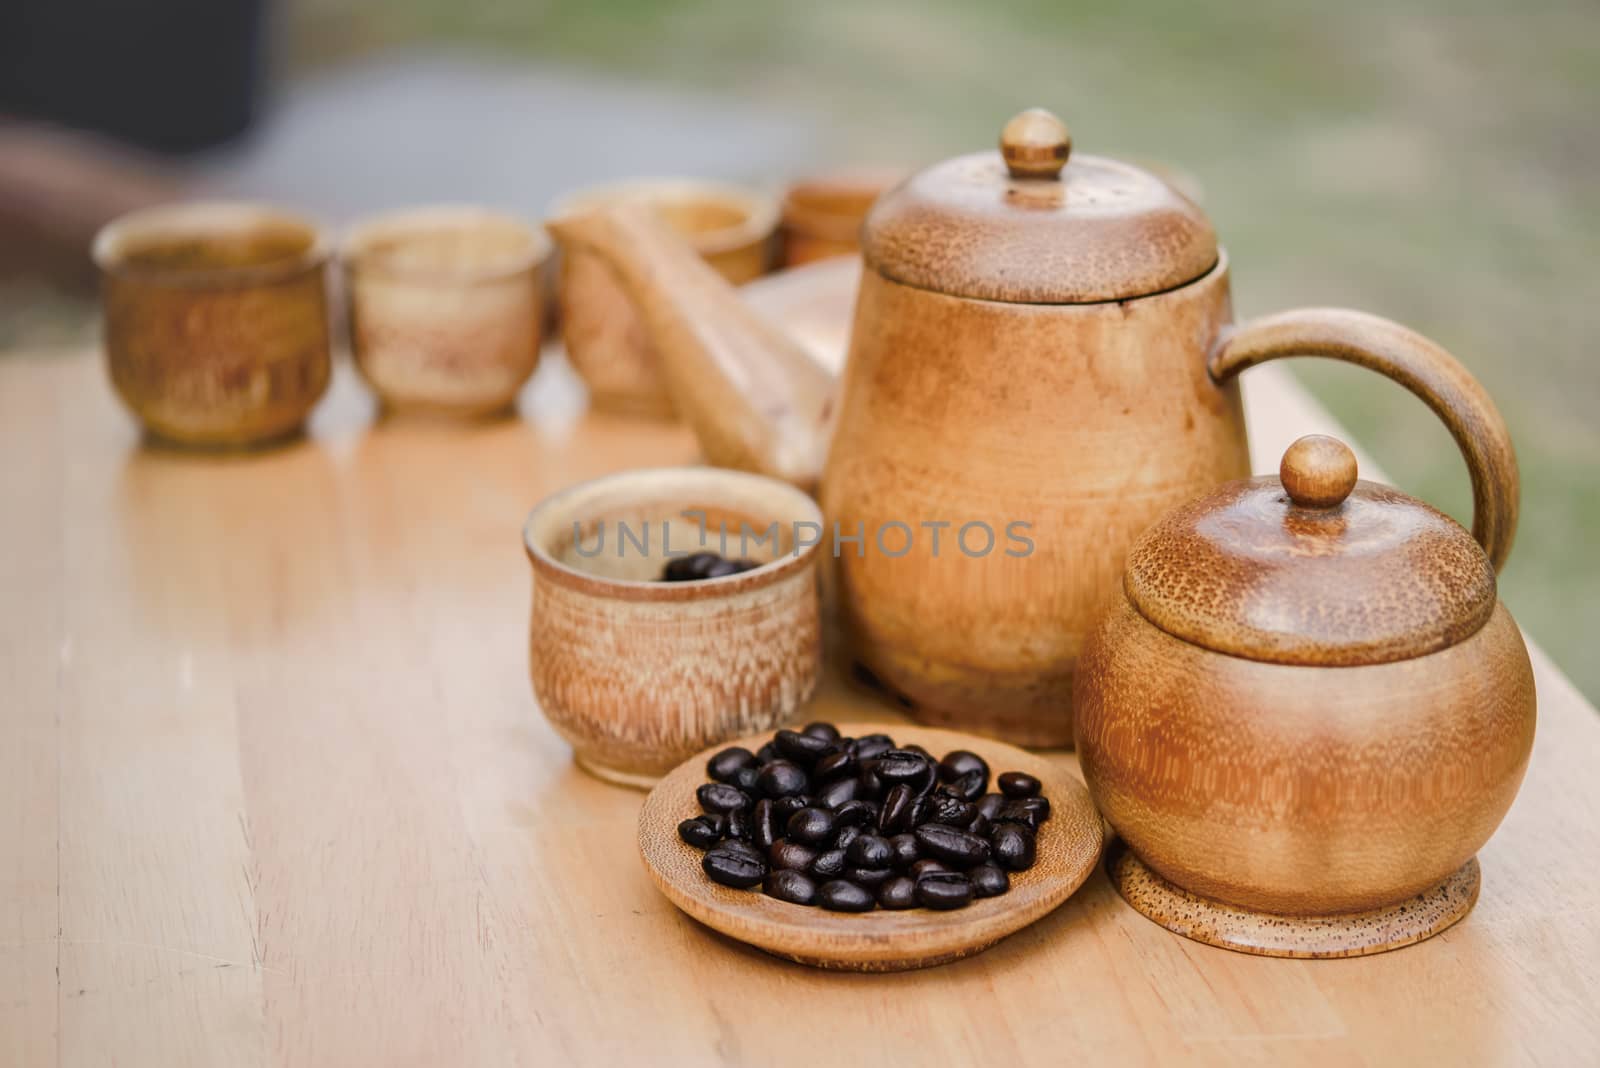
1035	224
1312	567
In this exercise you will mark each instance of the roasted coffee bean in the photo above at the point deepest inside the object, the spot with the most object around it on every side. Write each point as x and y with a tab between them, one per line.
698	833
898	765
944	890
951	845
968	787
829	864
720	798
842	896
871	878
961	763
1013	846
795	887
724	568
1024	812
896	808
838	792
856	814
803	749
898	893
870	851
763	825
689	568
905	849
1018	784
796	856
825	819
942	808
989	880
836	765
813	826
870	746
1040	805
733	868
734	845
989	804
784	807
725	764
781	779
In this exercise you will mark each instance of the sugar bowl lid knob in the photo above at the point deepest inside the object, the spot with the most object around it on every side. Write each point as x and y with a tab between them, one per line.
1035	144
1318	471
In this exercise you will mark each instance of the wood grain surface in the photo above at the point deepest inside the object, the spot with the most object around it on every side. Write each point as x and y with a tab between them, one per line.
275	791
1069	845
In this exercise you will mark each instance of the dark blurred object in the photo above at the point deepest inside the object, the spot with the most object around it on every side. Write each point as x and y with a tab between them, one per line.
170	76
57	189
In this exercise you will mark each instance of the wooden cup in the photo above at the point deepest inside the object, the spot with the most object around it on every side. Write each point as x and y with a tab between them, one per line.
216	320
638	674
444	307
732	228
822	214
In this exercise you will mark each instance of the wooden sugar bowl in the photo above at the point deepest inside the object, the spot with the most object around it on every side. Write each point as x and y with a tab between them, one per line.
1308	710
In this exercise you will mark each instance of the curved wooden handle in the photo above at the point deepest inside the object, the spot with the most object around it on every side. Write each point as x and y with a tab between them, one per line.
1417	364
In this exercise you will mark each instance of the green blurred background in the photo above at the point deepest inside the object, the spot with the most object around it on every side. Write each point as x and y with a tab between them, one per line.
1433	162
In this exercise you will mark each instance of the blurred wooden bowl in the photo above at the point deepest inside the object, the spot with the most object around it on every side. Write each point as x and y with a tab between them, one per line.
444	307
216	320
733	229
823	213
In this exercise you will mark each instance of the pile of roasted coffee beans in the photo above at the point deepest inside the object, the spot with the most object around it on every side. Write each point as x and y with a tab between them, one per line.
698	566
853	824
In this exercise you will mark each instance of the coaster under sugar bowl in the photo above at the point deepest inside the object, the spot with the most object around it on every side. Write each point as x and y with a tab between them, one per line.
637	672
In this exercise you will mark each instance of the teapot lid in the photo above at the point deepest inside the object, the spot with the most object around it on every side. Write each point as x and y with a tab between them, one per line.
1028	225
1312	567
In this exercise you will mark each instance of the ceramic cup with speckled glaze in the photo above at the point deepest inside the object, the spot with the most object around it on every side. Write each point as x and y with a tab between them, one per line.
445	307
216	320
732	228
638	674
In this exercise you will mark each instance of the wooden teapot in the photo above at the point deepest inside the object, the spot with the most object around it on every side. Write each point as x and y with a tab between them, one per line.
1042	363
1305	713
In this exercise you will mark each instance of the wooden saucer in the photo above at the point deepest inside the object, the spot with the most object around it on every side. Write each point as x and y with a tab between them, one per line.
1356	934
878	941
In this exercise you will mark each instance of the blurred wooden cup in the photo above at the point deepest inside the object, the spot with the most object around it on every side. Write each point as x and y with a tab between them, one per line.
732	228
445	307
822	214
216	320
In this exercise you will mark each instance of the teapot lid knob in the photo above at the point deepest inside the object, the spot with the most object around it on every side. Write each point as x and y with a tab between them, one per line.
1318	471
1035	144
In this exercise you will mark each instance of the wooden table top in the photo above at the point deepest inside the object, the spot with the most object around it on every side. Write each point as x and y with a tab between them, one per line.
275	790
